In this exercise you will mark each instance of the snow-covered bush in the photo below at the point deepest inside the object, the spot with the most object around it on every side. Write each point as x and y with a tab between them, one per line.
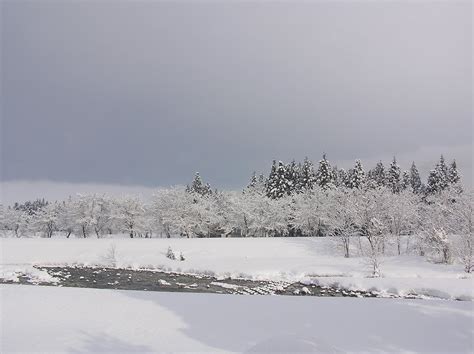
170	254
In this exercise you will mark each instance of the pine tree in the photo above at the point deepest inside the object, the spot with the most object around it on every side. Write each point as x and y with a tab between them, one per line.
438	178
270	186
292	176
198	187
357	176
342	178
453	174
377	175
433	182
442	166
348	178
405	180
253	181
299	179
394	177
307	177
336	177
261	183
208	190
324	176
257	184
415	180
277	185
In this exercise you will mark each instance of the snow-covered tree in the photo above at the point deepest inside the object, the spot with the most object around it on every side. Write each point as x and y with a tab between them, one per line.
402	215
461	214
292	175
340	217
453	174
102	213
308	211
82	214
66	217
46	219
129	213
438	178
307	178
324	176
368	208
405	183
415	180
356	176
257	184
436	228
198	186
31	207
340	177
438	239
377	175
172	211
277	184
453	211
394	177
253	181
15	220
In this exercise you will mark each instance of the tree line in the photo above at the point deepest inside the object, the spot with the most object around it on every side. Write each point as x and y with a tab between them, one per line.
382	206
287	179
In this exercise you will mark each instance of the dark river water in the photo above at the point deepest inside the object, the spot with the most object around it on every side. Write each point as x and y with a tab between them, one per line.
151	280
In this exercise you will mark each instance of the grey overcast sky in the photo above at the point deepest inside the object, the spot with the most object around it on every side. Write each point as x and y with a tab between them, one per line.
148	92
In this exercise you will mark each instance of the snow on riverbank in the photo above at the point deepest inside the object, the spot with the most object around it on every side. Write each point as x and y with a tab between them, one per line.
51	319
290	259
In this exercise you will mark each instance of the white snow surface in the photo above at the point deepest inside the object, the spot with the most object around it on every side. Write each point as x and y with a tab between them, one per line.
73	320
310	260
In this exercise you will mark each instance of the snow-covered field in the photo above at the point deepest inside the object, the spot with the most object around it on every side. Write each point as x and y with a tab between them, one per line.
52	319
292	259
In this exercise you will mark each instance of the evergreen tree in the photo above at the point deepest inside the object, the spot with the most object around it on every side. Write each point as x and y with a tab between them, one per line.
433	185
348	178
442	172
307	177
270	185
438	178
415	180
405	180
342	178
261	183
356	177
453	174
257	184
336	177
253	181
394	177
277	185
292	176
299	185
198	187
377	175
324	176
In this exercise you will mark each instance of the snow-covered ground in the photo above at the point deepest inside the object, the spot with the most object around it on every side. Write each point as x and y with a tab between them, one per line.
291	259
52	319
